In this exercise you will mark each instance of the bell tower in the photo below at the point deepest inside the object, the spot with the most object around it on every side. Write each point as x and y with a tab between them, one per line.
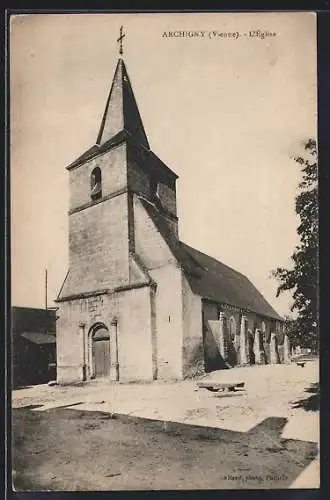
123	226
103	181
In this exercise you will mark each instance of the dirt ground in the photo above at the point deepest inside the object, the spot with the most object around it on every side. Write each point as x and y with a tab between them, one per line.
167	436
66	449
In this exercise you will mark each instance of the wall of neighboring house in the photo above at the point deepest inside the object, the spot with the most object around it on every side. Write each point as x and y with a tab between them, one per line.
33	320
32	362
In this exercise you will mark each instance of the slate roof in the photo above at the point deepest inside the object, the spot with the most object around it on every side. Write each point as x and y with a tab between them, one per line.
121	110
39	337
121	122
210	278
222	283
145	157
97	149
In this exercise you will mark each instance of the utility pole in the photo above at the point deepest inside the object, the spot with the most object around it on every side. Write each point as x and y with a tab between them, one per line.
46	305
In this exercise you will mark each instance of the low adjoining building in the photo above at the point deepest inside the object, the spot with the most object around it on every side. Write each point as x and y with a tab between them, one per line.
33	350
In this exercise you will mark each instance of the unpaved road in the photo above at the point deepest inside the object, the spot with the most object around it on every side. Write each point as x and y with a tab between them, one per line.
66	449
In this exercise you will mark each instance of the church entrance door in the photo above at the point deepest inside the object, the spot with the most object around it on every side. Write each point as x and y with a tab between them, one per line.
101	352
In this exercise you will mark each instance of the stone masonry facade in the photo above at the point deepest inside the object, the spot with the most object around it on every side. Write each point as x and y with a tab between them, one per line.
135	303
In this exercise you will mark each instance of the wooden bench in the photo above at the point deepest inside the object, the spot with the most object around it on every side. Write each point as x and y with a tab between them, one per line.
218	386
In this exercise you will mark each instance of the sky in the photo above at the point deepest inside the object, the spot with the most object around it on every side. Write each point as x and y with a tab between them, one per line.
226	114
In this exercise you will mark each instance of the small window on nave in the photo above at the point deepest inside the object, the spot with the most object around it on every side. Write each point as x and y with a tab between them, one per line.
232	327
96	184
153	187
154	191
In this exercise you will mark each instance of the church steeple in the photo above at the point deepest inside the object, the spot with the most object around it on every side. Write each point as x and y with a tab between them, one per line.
122	124
121	111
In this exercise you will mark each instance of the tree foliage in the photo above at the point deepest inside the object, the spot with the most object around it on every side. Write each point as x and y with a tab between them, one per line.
302	278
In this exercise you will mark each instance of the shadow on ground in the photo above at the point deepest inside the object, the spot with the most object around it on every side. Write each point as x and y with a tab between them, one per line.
64	449
18	387
310	403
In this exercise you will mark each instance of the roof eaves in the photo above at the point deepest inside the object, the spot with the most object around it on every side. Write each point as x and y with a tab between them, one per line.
97	150
152	156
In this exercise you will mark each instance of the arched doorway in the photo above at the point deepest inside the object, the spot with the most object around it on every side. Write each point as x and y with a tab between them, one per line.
100	351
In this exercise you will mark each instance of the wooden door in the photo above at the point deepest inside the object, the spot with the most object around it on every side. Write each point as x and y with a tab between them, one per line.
102	358
101	354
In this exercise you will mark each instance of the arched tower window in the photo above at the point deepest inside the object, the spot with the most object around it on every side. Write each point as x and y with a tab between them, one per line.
96	184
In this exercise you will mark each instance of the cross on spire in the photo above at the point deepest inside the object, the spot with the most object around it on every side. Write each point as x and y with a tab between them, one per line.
120	39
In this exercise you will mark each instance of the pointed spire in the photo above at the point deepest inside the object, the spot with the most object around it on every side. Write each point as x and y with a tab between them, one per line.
113	117
121	110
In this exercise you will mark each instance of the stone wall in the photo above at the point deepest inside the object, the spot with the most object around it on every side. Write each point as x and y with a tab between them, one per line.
169	321
139	182
161	265
114	243
167	197
134	334
257	343
98	247
98	230
70	339
193	347
131	309
232	320
212	355
149	243
114	176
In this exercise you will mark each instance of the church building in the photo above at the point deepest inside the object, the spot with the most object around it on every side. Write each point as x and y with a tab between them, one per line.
137	303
